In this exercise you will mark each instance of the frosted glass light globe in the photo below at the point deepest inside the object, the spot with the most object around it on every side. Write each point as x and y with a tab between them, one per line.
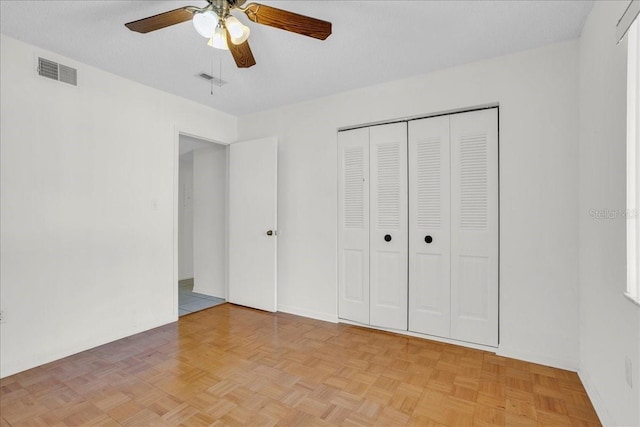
205	23
219	39
239	33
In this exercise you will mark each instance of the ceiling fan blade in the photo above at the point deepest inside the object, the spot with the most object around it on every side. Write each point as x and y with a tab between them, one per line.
288	21
241	53
161	20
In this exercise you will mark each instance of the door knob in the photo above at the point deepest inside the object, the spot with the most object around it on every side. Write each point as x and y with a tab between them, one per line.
428	239
270	233
387	238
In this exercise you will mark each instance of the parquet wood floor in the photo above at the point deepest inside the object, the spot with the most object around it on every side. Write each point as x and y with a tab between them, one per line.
233	366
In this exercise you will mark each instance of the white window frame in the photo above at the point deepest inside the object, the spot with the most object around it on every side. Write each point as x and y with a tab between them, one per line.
633	163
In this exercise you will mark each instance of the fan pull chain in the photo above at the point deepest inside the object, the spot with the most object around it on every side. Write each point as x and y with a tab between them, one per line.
219	72
212	57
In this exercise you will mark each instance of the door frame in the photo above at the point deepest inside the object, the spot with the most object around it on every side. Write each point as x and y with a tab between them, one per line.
176	200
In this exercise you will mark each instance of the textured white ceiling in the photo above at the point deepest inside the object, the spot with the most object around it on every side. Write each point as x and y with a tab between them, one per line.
372	42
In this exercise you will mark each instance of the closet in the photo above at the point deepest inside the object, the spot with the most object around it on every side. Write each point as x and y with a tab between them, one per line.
418	226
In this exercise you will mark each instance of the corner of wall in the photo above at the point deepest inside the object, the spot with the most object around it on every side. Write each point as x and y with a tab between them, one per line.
596	399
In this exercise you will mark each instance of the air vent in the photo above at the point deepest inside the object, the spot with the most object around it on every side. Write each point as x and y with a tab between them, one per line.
216	81
55	71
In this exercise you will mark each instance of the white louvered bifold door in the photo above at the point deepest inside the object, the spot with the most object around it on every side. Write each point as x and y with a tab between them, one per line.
353	223
388	226
474	227
429	226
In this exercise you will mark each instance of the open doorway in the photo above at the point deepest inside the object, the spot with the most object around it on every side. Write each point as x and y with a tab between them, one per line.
202	225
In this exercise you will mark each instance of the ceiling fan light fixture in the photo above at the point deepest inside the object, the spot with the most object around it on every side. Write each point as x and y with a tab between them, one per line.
239	33
219	38
223	31
205	23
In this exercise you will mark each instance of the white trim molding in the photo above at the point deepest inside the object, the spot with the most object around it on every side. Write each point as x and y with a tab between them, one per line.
627	19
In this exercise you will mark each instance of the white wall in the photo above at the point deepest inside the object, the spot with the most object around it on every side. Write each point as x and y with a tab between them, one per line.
210	220
609	323
87	214
185	217
537	93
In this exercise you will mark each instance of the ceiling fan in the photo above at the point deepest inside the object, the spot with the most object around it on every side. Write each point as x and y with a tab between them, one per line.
224	31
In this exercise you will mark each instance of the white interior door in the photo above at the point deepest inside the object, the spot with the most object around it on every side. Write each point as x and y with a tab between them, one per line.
474	227
429	226
388	226
353	223
252	223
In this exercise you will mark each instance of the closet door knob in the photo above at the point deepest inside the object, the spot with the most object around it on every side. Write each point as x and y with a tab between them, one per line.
270	233
387	238
428	239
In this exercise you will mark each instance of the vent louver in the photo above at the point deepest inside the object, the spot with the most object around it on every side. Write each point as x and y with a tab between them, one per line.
47	69
216	81
55	71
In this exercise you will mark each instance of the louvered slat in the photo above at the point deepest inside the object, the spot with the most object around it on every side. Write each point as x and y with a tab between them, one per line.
68	75
388	186
428	183
48	68
473	182
353	188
